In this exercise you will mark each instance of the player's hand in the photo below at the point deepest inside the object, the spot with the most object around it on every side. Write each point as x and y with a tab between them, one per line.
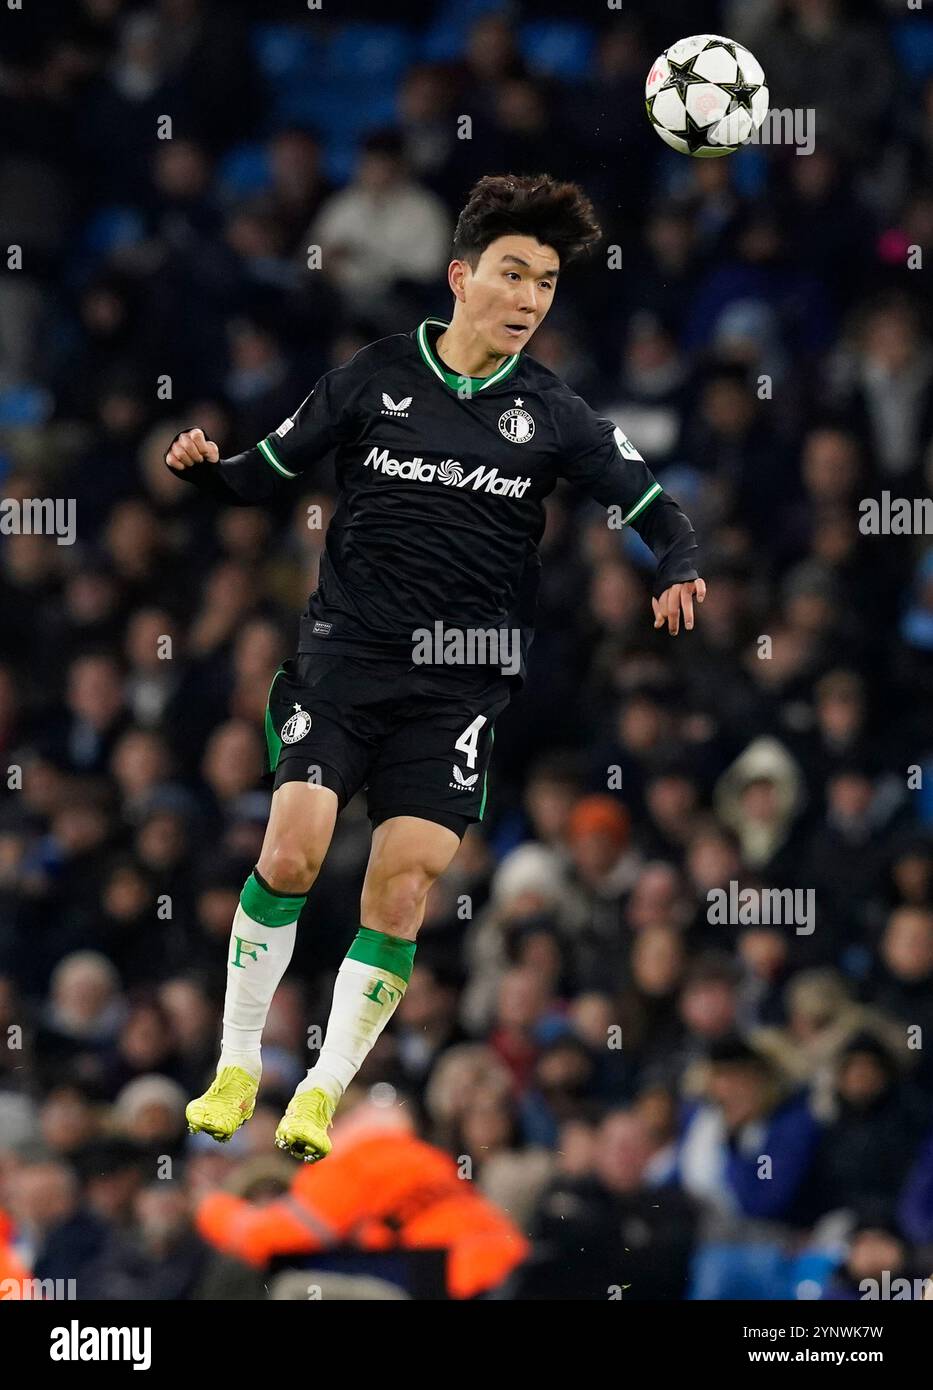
189	448
667	608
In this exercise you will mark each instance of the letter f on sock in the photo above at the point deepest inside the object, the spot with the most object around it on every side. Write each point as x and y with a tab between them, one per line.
393	994
241	943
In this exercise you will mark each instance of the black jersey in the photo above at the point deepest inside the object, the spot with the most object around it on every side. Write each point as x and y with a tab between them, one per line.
442	480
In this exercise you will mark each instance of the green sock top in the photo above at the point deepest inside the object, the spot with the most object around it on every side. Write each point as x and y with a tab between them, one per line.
383	951
267	908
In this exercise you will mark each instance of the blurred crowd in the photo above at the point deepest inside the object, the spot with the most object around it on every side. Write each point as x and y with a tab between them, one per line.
663	1103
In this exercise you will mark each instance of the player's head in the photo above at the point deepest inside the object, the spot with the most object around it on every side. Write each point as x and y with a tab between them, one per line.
513	238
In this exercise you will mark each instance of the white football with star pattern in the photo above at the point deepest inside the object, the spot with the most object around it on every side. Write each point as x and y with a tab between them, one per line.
706	95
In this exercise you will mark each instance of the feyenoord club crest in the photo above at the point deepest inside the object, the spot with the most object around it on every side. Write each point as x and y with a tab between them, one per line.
296	726
516	425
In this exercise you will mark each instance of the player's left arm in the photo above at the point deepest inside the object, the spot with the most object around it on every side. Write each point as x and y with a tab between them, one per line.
600	459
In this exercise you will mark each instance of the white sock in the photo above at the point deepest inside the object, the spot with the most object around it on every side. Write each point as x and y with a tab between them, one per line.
257	959
365	998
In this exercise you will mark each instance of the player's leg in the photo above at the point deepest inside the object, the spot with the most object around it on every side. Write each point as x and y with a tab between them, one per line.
408	853
426	784
297	838
317	755
298	835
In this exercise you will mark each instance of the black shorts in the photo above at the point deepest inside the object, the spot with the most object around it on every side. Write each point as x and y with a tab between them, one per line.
418	738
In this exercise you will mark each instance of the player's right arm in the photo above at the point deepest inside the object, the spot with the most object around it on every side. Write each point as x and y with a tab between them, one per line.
322	421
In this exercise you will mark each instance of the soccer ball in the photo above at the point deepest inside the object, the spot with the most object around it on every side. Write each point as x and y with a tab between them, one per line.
706	95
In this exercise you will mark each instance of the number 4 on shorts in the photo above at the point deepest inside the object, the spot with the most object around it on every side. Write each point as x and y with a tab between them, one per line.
466	743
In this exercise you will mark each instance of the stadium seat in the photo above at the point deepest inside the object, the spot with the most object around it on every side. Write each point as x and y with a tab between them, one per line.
244	171
339	160
24	405
913	44
113	227
809	1273
370	52
287	52
292	61
558	49
924	798
738	1272
339	109
468	11
443	42
447	36
750	171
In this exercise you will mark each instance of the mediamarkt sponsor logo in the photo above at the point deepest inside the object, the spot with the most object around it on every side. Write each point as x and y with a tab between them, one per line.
450	472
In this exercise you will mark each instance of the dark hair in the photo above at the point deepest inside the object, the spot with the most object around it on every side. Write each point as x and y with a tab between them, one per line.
713	968
387	141
867	1044
736	1052
555	214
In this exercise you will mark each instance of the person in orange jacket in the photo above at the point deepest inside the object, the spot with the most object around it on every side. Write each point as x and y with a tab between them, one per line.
381	1188
11	1267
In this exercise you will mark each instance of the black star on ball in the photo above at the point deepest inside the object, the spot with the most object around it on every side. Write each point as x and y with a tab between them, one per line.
697	137
720	43
682	76
741	93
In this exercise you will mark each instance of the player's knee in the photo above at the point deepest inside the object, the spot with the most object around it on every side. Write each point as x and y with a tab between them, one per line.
394	904
289	868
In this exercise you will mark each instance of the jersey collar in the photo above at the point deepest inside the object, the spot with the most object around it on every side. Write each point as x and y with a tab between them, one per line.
453	379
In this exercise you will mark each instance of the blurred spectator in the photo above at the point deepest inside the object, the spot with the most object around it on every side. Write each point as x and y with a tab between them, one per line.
96	712
528	886
708	1008
811	51
915	1208
112	1173
382	228
151	1110
62	1237
876	1256
84	1013
822	1018
746	1122
887	390
524	1018
635	1240
758	797
876	1125
159	1257
427	1023
905	975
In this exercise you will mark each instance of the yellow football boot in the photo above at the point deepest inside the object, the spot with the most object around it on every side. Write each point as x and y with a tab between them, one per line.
302	1131
227	1103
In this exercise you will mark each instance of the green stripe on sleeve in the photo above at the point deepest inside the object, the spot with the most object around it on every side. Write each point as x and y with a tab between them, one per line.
270	456
643	501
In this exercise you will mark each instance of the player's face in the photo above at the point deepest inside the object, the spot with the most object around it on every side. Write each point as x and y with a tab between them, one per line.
509	293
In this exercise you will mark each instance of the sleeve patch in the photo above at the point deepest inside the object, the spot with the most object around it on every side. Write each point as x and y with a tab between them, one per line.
625	446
